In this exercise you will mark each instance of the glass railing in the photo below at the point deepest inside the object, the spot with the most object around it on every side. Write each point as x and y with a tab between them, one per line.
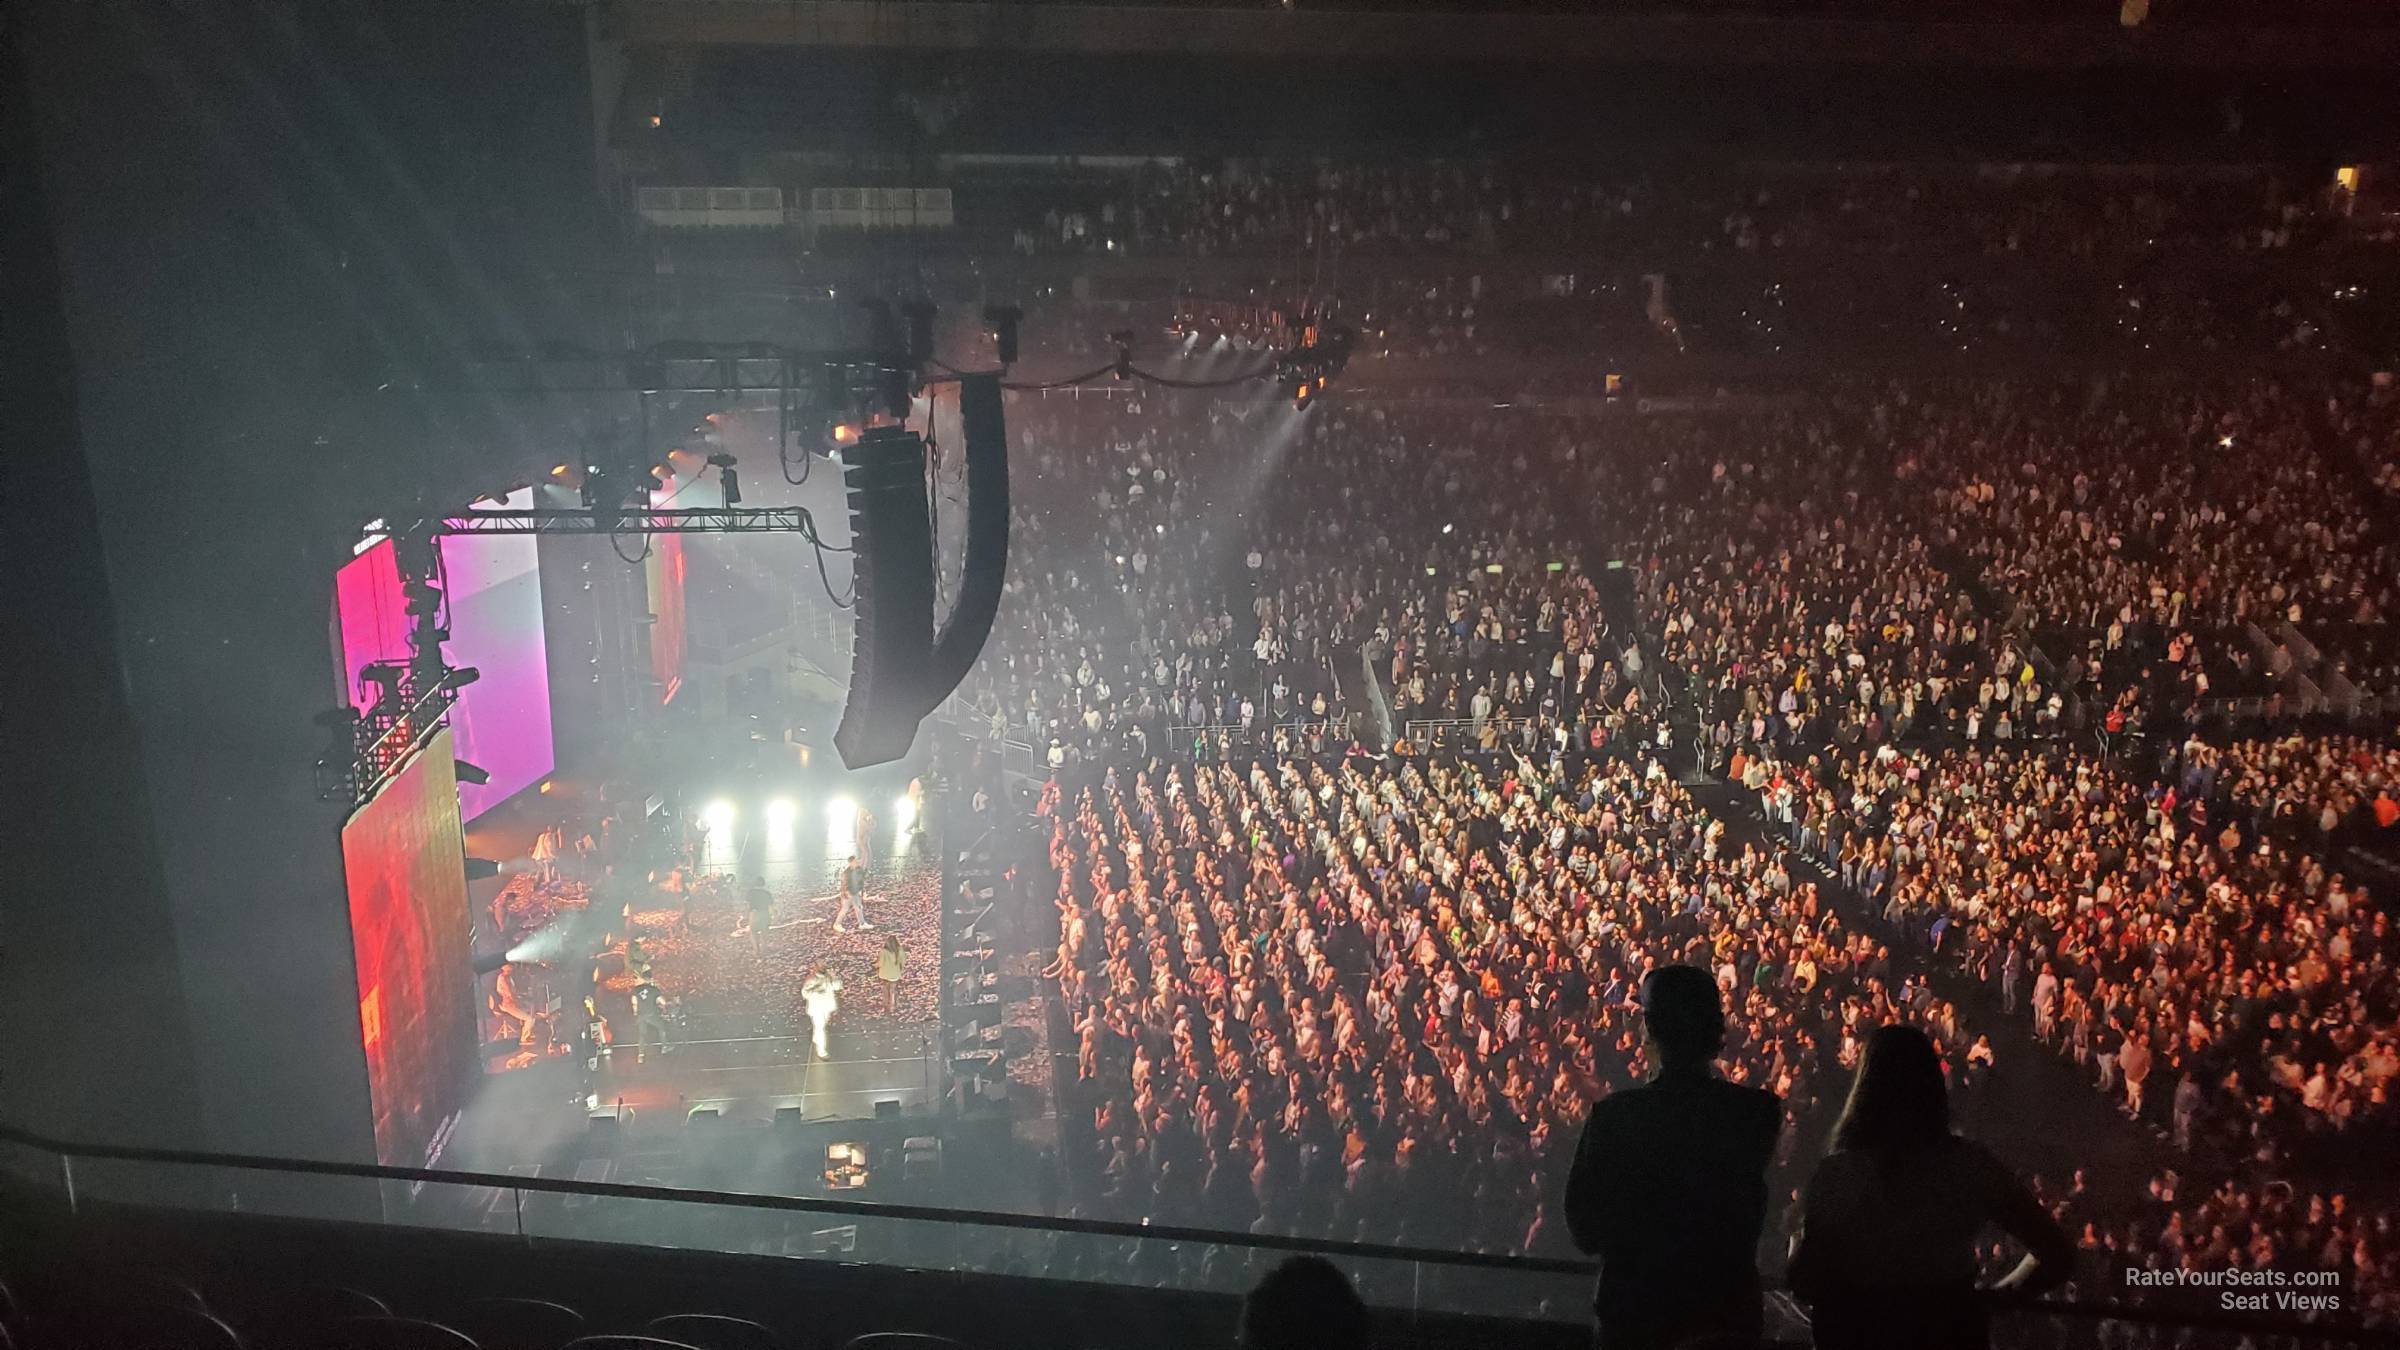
1402	1280
538	1209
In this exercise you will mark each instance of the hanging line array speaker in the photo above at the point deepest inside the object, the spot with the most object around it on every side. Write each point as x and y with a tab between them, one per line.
899	672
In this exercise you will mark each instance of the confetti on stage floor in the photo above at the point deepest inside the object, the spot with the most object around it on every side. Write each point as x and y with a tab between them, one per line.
732	987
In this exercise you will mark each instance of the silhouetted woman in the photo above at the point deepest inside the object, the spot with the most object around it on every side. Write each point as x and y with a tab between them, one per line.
1885	1253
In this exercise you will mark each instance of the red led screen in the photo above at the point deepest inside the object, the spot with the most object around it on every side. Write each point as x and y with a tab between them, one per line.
664	572
403	863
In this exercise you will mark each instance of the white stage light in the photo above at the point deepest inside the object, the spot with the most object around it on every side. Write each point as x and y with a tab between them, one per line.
718	816
841	827
905	811
781	813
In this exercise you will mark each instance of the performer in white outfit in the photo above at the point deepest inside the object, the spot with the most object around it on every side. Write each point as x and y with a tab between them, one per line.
821	994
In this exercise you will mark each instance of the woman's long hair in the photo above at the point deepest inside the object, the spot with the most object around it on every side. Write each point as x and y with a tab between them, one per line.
1898	1100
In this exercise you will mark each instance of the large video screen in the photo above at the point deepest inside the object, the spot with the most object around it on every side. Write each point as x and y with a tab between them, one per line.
503	719
494	585
664	571
404	867
370	621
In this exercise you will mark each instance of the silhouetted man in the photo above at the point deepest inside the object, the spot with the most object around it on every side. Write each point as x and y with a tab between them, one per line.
1304	1304
1669	1184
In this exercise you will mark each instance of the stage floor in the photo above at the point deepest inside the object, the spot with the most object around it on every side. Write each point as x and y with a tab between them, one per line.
742	1039
743	1042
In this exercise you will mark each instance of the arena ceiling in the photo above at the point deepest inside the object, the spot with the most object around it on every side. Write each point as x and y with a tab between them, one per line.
2028	34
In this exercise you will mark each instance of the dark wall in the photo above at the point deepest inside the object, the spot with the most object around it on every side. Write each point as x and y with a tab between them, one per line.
1659	115
88	973
263	212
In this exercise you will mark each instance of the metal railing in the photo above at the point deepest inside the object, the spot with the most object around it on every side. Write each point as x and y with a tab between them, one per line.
1440	732
90	1177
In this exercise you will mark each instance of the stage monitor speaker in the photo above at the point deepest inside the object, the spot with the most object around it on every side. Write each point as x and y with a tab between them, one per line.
888	1109
898	671
790	1117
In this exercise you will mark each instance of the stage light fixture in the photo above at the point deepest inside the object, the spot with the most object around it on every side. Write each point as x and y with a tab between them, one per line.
460	678
782	811
482	869
421	598
387	677
471	773
846	433
717	816
728	478
905	811
1004	321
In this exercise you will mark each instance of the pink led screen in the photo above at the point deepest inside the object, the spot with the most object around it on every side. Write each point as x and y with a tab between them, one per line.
502	721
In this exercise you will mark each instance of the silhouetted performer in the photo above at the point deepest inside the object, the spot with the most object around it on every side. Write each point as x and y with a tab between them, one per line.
1304	1304
1669	1184
1885	1254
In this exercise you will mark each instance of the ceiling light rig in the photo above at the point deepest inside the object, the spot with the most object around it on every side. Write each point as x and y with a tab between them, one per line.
1307	370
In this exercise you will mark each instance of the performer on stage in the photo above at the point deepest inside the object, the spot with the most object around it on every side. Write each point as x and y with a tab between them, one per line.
761	903
862	825
649	1019
848	902
914	842
821	994
890	963
548	846
506	1003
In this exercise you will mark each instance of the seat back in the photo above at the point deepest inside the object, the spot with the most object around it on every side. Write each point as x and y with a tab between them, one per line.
393	1333
903	1340
153	1326
519	1323
714	1331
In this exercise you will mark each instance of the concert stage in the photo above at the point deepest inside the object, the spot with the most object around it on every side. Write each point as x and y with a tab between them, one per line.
755	1077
